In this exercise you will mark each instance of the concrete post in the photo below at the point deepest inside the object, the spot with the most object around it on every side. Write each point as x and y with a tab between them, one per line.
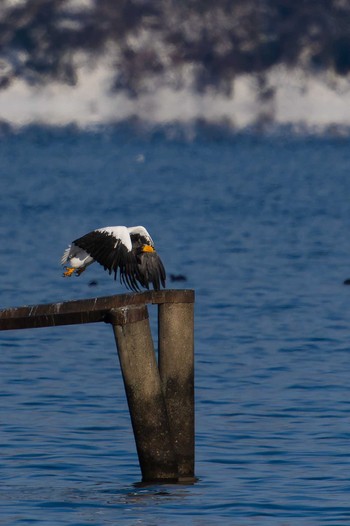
144	393
176	366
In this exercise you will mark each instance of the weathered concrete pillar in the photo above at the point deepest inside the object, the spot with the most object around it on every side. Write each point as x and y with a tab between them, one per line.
176	366
144	393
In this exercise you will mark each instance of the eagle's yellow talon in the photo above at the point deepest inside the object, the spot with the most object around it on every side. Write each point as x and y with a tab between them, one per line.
69	272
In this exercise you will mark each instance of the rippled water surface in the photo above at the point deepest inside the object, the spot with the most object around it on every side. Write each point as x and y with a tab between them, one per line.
260	227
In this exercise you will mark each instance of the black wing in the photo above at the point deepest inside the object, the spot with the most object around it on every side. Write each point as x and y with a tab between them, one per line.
151	270
112	254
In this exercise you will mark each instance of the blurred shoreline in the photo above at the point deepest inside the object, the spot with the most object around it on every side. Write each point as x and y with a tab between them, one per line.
290	99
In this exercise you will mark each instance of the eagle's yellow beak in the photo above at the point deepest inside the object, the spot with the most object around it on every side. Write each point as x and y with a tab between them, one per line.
147	248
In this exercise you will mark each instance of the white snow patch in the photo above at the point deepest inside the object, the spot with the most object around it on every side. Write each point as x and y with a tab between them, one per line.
298	99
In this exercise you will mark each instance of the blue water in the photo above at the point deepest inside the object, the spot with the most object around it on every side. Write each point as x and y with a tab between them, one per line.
260	227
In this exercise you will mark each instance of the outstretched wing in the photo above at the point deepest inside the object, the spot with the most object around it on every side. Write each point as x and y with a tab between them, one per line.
111	247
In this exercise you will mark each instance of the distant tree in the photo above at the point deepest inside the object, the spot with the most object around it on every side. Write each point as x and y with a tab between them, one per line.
169	41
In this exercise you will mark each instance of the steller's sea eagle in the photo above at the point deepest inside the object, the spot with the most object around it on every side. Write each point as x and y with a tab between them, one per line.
127	249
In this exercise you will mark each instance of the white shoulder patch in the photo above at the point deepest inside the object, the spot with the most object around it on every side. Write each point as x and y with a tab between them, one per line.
142	231
120	233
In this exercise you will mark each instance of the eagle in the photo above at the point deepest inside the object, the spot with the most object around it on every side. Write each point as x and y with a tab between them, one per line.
129	250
